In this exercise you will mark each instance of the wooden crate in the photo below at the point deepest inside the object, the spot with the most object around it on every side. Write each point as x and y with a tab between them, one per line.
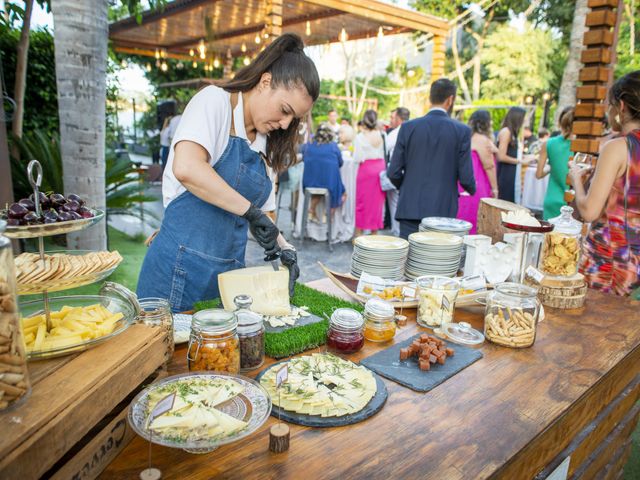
74	422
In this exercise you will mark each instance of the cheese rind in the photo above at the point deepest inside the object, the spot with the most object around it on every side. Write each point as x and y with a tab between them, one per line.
268	289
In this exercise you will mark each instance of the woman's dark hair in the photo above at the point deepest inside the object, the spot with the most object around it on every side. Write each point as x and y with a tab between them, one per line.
513	121
370	120
480	122
565	120
627	89
289	67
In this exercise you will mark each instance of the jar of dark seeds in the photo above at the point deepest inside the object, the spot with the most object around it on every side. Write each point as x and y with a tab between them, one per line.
251	334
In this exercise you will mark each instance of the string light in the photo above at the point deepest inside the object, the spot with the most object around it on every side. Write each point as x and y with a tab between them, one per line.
343	35
257	39
380	32
148	67
246	61
124	63
163	53
157	54
194	64
191	52
180	65
216	63
164	67
243	47
202	49
203	55
307	29
266	35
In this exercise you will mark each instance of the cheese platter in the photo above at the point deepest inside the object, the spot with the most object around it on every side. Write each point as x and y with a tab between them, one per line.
324	390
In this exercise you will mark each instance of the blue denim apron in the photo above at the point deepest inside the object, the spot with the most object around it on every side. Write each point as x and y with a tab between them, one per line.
197	240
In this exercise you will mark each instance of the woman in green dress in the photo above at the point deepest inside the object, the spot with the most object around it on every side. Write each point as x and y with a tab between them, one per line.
557	151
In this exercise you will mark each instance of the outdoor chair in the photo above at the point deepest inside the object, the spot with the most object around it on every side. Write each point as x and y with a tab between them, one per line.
308	193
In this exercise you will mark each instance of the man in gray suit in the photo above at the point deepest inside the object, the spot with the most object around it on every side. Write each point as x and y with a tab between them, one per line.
431	155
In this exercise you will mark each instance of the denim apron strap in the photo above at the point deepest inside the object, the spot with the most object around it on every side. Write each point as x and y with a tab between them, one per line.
198	240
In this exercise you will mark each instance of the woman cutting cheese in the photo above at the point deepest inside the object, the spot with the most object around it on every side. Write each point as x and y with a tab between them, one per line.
216	177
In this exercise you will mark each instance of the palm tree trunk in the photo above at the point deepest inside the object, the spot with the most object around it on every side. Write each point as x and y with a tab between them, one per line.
21	70
567	96
81	33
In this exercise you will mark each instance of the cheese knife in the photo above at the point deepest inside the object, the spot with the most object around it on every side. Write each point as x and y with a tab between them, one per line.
273	258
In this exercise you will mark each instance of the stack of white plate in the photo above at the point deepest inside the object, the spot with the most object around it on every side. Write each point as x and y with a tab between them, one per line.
445	225
380	255
433	253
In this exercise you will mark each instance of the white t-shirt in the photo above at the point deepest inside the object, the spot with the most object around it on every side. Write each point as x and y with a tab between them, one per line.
392	138
207	121
173	126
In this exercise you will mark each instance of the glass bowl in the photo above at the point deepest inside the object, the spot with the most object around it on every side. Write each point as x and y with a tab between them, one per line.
253	406
113	304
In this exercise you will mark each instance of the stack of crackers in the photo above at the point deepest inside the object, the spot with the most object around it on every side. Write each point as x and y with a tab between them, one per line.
61	267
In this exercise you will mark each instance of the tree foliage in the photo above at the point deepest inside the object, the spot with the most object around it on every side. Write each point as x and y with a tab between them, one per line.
518	63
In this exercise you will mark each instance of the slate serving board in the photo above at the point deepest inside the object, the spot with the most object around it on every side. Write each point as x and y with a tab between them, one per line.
370	409
299	323
388	364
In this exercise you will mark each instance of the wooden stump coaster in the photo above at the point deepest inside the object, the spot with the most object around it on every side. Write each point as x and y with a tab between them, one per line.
279	438
150	474
563	293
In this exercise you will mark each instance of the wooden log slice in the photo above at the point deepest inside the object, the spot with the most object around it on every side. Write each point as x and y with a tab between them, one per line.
489	219
279	438
564	303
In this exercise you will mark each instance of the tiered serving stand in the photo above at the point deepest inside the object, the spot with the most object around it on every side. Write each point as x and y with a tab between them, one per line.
127	306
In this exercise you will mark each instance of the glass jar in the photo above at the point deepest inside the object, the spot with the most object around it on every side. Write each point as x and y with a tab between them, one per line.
250	333
213	344
436	300
15	386
561	248
511	315
379	316
156	312
345	331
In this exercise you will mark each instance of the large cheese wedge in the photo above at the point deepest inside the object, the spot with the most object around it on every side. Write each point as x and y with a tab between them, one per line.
268	289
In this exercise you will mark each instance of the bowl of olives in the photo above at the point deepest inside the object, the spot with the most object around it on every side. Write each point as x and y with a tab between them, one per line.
58	215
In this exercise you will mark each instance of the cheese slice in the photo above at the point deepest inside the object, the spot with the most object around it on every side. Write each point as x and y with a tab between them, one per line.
268	289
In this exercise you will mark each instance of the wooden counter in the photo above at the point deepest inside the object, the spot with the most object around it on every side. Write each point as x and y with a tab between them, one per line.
515	414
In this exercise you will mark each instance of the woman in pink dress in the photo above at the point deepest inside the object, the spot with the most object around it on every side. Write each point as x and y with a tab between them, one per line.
484	168
368	151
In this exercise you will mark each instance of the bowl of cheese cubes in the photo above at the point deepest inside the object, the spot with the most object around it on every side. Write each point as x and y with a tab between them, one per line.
78	322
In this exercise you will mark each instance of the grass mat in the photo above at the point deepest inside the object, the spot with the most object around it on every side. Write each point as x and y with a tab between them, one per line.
298	339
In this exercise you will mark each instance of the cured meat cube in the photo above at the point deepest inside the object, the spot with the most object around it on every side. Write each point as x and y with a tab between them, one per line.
404	353
424	338
441	359
424	365
450	352
433	358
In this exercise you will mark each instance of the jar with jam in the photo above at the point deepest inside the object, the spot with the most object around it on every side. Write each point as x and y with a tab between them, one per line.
213	344
250	333
380	325
345	331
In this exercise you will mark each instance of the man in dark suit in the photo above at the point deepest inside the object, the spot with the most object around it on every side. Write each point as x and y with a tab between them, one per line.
431	155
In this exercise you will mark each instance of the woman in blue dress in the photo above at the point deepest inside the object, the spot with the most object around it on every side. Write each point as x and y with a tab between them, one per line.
216	176
322	161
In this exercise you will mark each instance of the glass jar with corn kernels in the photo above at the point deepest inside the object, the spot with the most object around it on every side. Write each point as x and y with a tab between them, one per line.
214	344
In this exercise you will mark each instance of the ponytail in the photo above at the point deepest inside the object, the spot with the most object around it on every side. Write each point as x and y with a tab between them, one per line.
290	68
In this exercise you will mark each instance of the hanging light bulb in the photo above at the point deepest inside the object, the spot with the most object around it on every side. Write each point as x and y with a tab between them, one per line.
243	47
124	63
265	35
158	63
191	52
257	39
380	32
202	49
148	67
194	64
206	67
246	61
203	55
163	53
180	65
307	29
164	67
157	54
216	63
343	35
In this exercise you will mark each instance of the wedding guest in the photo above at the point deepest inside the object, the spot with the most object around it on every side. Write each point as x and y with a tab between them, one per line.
508	153
397	118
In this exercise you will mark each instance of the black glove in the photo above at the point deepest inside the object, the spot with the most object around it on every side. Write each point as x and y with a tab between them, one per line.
263	230
289	259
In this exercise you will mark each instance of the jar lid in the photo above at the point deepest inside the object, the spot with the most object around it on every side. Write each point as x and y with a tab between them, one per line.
347	318
214	320
462	333
516	289
120	292
379	308
437	282
565	223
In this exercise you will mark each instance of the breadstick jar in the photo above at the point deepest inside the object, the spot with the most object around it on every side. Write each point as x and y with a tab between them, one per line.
14	378
561	247
511	315
214	344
